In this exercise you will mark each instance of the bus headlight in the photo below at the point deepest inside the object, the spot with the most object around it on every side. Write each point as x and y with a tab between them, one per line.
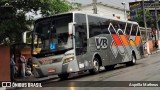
35	65
67	60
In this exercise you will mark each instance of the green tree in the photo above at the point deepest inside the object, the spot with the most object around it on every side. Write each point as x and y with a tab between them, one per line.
13	20
139	18
76	5
150	20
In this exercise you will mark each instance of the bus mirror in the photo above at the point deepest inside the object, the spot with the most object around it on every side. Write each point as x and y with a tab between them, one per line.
71	28
26	37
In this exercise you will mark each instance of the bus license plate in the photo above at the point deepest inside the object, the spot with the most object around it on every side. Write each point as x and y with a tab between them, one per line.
51	70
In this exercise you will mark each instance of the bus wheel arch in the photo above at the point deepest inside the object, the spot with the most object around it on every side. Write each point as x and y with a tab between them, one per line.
133	61
97	62
133	58
134	54
99	58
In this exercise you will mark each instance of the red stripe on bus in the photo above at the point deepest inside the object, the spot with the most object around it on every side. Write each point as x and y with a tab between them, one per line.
116	39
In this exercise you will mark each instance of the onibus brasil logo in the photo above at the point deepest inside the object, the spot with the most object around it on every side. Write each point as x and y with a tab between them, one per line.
19	84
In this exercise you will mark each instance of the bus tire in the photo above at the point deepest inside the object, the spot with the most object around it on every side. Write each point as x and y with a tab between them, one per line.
132	62
108	68
96	66
63	76
36	75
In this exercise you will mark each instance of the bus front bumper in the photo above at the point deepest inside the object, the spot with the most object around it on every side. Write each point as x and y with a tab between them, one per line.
55	69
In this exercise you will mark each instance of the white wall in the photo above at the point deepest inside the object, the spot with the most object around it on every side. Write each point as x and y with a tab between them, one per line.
104	10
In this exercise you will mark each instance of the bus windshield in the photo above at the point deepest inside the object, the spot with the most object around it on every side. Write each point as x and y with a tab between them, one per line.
51	34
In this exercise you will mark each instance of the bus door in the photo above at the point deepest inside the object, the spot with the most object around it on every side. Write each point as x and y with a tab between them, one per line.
81	41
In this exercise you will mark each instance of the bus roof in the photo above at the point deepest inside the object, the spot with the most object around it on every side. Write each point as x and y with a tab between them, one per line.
102	16
39	19
79	12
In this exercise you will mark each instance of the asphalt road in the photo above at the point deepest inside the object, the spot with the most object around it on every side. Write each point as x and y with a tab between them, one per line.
147	69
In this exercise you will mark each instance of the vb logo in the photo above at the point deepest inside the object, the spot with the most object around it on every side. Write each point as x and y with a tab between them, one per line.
101	42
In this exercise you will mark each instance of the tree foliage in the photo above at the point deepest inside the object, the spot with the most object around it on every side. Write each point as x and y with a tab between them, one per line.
13	20
140	19
76	5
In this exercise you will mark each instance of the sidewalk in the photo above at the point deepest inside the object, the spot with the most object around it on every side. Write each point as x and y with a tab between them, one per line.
153	52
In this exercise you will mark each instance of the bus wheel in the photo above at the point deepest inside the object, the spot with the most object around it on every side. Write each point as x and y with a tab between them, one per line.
133	61
63	76
96	66
108	68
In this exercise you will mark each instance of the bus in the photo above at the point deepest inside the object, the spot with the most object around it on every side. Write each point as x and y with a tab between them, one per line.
75	41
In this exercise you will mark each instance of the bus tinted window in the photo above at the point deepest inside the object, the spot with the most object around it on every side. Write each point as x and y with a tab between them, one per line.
111	29
134	30
104	26
80	34
128	29
138	33
120	32
122	26
51	33
105	31
115	25
94	26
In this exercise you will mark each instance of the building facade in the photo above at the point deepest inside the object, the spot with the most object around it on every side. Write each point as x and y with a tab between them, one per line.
148	5
106	10
151	7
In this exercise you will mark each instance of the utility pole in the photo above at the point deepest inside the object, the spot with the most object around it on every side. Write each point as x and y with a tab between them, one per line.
156	4
125	13
94	6
145	26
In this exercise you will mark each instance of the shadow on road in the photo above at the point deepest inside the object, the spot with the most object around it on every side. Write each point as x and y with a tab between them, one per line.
75	76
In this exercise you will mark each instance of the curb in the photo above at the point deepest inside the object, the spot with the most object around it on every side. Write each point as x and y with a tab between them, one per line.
154	52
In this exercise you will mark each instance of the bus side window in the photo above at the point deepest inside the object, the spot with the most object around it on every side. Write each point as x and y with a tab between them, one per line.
120	32
96	33
115	25
80	34
122	26
104	26
111	29
138	33
78	39
134	30
128	29
94	26
105	31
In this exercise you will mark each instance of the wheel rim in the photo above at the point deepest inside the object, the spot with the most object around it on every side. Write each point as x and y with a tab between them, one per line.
96	65
134	60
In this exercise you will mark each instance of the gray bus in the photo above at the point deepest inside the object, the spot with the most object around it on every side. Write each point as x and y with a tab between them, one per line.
75	41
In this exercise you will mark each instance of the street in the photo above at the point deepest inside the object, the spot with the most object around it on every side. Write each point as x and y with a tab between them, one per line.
66	42
147	69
